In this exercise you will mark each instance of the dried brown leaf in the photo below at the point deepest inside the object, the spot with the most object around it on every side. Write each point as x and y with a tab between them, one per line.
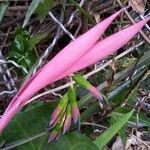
138	5
118	145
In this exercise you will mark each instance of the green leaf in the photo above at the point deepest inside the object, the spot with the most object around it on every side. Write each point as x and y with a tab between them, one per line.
145	85
34	4
3	8
20	50
23	48
36	39
143	119
121	132
72	96
2	141
27	131
85	13
72	141
63	101
28	124
81	81
105	137
39	7
43	8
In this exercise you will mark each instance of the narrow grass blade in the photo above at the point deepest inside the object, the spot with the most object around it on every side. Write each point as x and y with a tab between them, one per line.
105	137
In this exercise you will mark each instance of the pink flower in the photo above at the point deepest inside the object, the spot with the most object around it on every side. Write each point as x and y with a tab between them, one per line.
55	114
85	84
77	48
106	47
94	91
67	124
75	113
53	136
82	52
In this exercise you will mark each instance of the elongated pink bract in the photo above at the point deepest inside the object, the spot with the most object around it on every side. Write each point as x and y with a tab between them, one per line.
79	54
61	62
105	47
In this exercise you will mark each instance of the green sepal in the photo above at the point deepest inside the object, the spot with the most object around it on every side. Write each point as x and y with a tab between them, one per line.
63	101
68	112
72	96
81	81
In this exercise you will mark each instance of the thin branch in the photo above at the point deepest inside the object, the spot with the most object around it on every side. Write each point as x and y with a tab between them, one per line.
4	69
61	25
93	124
14	63
7	92
147	26
132	20
141	141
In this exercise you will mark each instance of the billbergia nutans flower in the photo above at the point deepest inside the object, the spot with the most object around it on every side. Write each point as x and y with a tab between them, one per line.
68	118
66	111
56	132
74	105
82	52
93	90
59	109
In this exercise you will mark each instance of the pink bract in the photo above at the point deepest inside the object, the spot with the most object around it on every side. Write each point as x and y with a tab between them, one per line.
82	52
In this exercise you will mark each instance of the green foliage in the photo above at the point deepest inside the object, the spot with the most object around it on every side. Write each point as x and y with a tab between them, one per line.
73	141
143	119
72	96
22	48
28	124
121	132
26	132
34	4
34	40
105	137
39	7
27	129
145	85
3	8
142	49
63	101
81	81
2	141
43	8
85	13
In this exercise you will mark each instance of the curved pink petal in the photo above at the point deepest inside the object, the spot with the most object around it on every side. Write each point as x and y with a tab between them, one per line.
105	47
99	51
61	61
